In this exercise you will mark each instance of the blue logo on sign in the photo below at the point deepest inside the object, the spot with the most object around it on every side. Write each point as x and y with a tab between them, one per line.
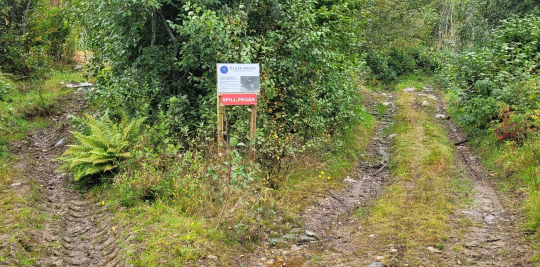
224	69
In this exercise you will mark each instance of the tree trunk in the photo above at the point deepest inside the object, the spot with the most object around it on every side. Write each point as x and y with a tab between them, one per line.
153	42
26	16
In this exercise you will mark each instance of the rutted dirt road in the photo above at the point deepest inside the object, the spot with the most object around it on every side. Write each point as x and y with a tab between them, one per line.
76	230
491	238
329	224
495	238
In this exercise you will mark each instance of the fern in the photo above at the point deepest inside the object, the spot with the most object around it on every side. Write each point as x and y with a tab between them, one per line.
107	145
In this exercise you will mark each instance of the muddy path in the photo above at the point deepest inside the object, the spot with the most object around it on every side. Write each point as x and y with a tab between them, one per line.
330	222
485	230
77	230
494	237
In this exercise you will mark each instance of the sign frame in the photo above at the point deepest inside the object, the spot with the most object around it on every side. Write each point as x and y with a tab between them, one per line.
235	88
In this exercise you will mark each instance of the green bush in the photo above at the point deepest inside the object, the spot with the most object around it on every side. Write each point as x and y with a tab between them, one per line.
308	52
33	34
4	89
505	73
388	66
103	149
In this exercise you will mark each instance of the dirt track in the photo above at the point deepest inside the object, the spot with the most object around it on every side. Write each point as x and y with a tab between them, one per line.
494	239
77	230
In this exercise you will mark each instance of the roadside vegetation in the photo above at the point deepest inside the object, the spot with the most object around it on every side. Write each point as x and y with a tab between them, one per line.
146	147
493	92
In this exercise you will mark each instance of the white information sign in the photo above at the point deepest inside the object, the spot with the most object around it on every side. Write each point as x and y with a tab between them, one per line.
238	78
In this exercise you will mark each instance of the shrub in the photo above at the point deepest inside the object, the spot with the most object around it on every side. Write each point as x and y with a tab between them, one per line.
4	89
503	74
308	52
388	66
103	149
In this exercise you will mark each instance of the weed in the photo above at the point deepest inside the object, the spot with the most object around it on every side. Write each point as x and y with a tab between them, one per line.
360	212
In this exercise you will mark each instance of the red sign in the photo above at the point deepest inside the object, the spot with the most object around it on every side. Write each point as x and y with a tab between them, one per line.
238	99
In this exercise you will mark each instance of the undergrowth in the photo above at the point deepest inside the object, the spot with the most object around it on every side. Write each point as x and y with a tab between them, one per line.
187	201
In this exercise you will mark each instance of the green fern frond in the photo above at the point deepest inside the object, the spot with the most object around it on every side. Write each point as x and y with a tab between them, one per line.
103	148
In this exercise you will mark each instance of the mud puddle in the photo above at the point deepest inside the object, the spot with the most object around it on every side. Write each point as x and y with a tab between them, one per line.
76	230
330	222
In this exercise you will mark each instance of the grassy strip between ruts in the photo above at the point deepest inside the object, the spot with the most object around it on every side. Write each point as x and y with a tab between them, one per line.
414	210
162	233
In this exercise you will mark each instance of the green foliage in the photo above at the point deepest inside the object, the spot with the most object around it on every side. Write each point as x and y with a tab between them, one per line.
308	52
501	75
388	66
4	89
33	34
465	24
103	149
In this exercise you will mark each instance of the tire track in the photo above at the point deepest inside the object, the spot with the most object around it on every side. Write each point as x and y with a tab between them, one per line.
329	220
78	231
494	239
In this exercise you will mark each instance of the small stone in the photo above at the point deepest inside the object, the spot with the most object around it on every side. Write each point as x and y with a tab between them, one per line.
295	230
275	241
379	258
305	239
372	235
60	143
393	250
384	94
15	184
425	104
392	136
349	180
295	248
289	236
489	219
429	96
409	89
472	244
440	116
427	88
386	104
376	264
309	233
212	257
432	249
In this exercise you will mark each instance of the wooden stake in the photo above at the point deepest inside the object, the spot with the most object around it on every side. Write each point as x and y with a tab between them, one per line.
220	124
253	127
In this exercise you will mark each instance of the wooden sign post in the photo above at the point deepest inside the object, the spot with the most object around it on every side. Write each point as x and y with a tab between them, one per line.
237	84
